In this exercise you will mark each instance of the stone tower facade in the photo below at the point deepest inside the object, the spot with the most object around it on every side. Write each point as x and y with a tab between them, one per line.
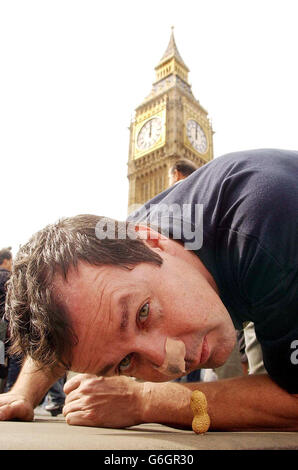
170	124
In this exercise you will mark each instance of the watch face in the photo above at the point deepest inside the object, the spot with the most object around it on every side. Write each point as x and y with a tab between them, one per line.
196	136
149	133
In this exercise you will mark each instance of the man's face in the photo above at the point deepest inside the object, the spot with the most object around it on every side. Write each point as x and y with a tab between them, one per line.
7	264
174	177
171	177
123	318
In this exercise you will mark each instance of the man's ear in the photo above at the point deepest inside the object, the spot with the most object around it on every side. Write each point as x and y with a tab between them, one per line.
153	238
179	176
176	175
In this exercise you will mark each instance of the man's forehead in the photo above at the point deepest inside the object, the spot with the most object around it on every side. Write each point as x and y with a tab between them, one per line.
90	288
77	293
85	275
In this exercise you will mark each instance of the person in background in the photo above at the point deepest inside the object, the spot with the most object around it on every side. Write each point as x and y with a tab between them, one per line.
5	269
181	170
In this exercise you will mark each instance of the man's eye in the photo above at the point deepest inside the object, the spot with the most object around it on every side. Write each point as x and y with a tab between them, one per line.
125	363
143	313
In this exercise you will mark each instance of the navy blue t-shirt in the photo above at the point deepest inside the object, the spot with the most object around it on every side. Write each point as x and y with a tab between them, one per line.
249	243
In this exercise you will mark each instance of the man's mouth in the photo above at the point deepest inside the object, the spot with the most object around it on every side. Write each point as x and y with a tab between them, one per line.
192	363
204	351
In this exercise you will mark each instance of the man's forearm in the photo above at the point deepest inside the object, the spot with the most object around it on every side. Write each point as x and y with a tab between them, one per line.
33	382
242	403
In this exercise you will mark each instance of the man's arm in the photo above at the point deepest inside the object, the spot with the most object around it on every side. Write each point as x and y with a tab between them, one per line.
236	404
244	403
31	385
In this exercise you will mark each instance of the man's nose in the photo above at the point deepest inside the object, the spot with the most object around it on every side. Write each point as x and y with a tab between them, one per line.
168	360
152	350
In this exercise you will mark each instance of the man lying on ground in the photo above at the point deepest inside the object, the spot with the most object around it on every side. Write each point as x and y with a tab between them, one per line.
95	296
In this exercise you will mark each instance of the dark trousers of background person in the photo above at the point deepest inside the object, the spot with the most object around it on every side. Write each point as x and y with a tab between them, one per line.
194	376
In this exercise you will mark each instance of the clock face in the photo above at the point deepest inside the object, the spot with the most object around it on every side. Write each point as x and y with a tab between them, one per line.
149	133
196	136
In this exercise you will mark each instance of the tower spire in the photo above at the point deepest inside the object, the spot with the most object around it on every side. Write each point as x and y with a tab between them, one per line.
172	52
171	62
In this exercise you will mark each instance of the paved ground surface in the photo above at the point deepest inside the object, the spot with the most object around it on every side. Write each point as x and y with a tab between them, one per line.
48	433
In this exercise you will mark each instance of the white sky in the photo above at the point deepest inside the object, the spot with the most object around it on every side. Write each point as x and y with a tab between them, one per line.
72	73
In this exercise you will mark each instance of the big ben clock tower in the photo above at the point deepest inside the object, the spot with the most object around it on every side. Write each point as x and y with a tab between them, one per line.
170	124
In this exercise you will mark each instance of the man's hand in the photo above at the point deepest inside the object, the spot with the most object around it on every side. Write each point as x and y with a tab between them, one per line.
113	402
15	406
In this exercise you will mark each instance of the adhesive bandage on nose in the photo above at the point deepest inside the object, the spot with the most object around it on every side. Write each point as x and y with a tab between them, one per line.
174	364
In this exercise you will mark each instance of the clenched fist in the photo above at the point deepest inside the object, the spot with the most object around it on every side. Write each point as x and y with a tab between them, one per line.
112	402
15	406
